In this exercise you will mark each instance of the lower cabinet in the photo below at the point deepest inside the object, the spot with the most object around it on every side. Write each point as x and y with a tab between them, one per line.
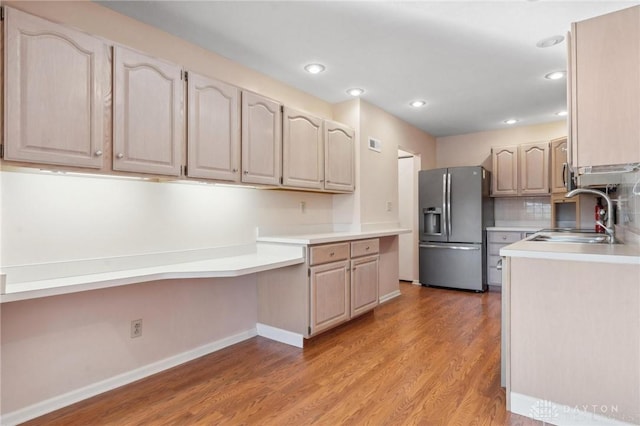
338	282
329	286
495	241
343	282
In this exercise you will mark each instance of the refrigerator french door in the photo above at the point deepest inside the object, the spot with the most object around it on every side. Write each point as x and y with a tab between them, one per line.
455	209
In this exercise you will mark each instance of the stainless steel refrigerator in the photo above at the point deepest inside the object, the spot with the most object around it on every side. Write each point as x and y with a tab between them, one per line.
455	210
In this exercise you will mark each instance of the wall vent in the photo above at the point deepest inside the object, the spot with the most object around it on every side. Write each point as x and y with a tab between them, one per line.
375	145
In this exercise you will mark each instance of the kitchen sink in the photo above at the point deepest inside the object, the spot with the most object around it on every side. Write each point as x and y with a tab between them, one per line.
564	236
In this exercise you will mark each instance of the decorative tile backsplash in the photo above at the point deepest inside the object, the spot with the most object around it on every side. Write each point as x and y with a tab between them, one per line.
523	211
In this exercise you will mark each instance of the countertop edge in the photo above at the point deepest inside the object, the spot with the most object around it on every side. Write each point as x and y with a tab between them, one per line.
574	252
311	239
224	267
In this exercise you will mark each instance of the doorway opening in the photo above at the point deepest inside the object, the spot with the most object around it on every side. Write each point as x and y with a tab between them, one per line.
408	167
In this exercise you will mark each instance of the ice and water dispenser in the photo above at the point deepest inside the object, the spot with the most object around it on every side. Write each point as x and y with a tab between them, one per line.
432	217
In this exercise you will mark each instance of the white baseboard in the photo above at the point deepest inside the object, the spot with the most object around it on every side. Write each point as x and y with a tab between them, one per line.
549	412
416	282
389	296
55	403
280	335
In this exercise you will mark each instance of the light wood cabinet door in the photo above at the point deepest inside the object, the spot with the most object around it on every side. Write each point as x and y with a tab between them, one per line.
56	81
605	84
505	170
329	295
148	119
364	284
559	170
213	117
339	172
261	139
302	150
534	169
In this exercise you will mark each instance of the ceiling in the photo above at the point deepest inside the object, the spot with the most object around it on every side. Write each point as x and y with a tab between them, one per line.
475	63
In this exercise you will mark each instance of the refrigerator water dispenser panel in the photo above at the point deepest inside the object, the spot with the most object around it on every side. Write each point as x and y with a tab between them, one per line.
432	218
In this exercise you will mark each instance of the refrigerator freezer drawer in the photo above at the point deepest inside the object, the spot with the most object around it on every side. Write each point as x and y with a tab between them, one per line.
452	265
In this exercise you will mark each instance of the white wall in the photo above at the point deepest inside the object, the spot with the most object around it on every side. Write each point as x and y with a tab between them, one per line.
46	354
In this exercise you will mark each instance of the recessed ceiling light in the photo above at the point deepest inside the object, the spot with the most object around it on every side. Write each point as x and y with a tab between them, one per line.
418	103
511	121
556	75
550	41
314	68
356	91
561	113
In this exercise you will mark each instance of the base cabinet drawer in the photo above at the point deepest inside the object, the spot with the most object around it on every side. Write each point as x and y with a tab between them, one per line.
364	247
328	253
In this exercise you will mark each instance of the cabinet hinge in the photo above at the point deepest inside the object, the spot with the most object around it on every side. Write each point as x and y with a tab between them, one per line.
1	13
308	272
1	151
281	180
184	75
309	330
184	170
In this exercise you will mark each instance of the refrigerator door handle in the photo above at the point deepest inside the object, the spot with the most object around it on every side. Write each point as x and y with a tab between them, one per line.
449	202
444	201
449	247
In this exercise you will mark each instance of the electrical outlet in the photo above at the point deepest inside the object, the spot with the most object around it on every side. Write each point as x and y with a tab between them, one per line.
303	207
389	206
136	328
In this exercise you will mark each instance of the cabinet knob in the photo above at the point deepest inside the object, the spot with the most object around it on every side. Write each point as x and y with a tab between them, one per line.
504	237
331	254
246	172
98	153
367	248
119	155
234	170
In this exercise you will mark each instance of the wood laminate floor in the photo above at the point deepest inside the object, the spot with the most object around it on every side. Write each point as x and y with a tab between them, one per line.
428	357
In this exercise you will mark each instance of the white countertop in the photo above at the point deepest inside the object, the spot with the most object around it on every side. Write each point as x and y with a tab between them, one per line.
331	237
605	253
34	281
515	228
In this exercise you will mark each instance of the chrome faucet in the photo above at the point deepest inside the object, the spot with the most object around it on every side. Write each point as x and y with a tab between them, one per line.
609	227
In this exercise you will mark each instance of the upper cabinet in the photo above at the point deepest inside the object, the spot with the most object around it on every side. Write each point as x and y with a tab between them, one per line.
261	139
148	120
520	170
505	171
302	150
339	167
534	169
558	165
56	79
604	84
74	100
213	140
